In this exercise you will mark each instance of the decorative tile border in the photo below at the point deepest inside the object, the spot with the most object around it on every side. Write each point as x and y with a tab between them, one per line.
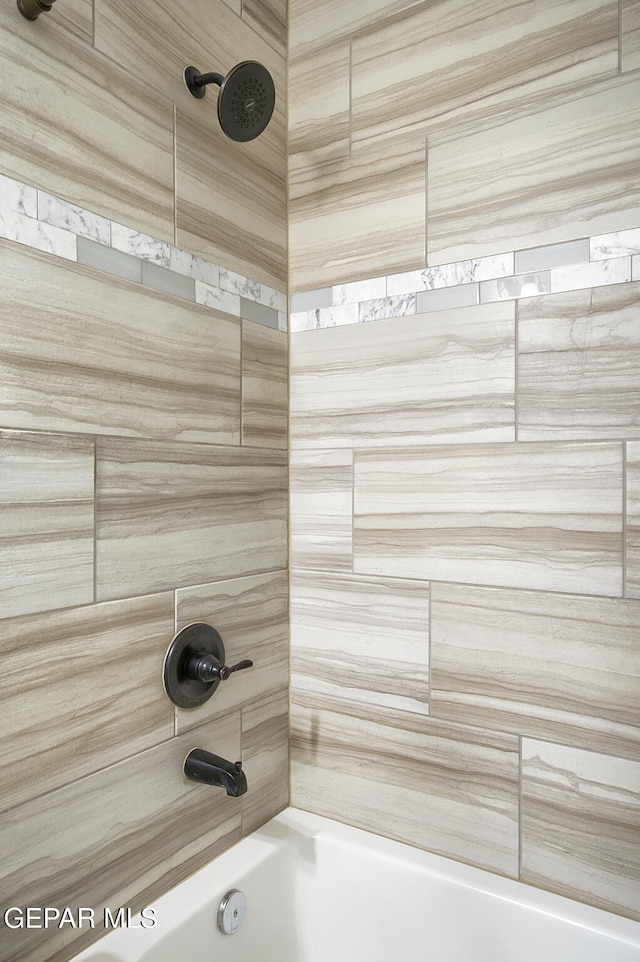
47	223
575	265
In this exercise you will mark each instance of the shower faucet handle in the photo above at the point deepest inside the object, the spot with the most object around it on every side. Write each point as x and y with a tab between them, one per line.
195	665
203	666
225	671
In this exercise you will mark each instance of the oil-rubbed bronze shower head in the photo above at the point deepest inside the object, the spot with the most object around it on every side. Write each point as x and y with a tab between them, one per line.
246	99
31	9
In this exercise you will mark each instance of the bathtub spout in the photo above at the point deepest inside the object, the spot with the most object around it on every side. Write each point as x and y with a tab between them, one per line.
201	766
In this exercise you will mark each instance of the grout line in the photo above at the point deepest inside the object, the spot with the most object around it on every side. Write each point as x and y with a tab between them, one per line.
624	517
175	175
426	201
95	521
429	646
620	37
351	93
516	386
353	508
519	806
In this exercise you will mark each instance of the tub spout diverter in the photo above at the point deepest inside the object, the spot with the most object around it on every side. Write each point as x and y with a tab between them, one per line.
201	766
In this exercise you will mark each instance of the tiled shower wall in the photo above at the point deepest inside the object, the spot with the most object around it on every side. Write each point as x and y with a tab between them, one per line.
465	431
143	437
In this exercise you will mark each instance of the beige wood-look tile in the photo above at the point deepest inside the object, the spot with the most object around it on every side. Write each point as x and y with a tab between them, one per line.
440	787
46	522
312	24
269	19
581	824
81	127
251	615
545	516
320	509
77	17
265	386
265	758
231	201
633	521
171	515
630	34
561	667
112	357
81	690
579	364
319	116
364	218
121	837
445	376
429	62
575	159
364	640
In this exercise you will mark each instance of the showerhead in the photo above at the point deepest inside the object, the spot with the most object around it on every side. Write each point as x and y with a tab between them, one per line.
246	99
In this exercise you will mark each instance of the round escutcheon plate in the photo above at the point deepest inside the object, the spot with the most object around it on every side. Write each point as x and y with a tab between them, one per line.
183	691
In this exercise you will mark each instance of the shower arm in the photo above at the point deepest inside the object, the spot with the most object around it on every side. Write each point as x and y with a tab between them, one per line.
196	81
208	78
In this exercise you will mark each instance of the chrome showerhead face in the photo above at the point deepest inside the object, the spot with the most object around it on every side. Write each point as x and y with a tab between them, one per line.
246	101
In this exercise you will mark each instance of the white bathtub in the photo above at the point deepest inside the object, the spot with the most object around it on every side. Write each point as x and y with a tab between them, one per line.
319	891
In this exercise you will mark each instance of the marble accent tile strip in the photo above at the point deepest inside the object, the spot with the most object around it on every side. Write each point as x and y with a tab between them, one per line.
91	254
575	265
553	255
42	221
252	311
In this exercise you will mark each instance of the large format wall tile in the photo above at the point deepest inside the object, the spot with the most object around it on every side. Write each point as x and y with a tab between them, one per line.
442	787
69	709
251	615
445	376
353	219
77	17
430	62
633	521
365	640
630	34
112	357
580	825
265	758
560	667
312	24
319	106
321	498
578	158
46	521
528	515
265	389
170	515
76	124
579	364
268	18
121	837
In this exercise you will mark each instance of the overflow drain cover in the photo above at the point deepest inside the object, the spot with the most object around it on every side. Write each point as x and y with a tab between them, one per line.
231	911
